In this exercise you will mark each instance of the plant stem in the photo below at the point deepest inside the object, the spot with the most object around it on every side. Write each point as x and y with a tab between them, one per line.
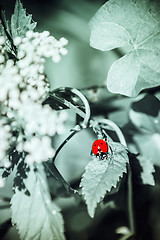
77	128
108	122
62	145
130	201
130	191
54	172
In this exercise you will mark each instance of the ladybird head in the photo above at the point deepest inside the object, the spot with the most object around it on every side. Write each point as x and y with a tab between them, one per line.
98	146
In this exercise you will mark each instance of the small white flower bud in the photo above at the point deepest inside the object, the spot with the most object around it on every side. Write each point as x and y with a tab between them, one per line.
2	40
2	59
45	34
29	34
56	58
63	51
17	41
2	182
64	41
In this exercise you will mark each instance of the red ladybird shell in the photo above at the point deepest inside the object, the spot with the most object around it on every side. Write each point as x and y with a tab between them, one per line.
99	145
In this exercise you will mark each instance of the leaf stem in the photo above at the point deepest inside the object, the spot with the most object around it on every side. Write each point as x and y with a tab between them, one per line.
116	129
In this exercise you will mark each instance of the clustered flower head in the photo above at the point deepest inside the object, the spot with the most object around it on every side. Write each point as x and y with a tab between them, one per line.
5	137
23	86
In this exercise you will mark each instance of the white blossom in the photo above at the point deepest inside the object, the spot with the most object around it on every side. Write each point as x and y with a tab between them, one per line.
23	85
2	182
5	137
38	149
9	80
38	119
2	40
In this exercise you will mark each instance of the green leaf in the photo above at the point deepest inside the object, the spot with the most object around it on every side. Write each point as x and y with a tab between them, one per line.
145	114
148	170
6	24
135	24
21	22
148	124
149	146
6	31
101	175
36	216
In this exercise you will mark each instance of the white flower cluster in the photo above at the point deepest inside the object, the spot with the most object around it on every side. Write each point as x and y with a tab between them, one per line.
38	149
5	137
2	50
23	85
35	117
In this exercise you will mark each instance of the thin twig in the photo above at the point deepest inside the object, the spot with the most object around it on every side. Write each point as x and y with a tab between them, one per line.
58	176
62	145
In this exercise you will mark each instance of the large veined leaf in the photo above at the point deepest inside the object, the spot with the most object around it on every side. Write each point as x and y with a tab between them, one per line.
101	175
21	22
131	23
36	216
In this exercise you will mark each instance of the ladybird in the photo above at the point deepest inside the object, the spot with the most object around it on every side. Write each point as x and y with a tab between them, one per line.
100	148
